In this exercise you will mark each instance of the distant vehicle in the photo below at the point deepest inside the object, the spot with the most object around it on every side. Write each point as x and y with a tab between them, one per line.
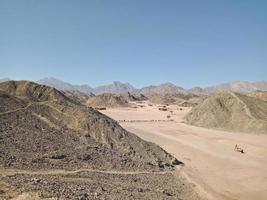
239	149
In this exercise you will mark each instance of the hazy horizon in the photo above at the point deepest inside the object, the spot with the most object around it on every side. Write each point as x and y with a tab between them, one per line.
188	43
108	83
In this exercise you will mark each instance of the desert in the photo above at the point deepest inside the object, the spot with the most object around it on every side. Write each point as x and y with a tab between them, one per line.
208	155
133	100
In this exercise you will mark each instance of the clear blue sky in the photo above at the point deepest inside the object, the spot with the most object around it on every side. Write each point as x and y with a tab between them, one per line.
142	42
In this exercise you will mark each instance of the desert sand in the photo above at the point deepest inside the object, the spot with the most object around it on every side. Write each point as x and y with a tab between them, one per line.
208	155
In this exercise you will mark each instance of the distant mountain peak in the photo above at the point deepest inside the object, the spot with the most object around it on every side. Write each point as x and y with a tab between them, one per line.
163	89
4	79
238	86
117	83
168	84
117	87
65	86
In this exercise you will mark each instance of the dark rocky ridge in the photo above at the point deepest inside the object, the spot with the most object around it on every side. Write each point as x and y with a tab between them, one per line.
42	128
134	97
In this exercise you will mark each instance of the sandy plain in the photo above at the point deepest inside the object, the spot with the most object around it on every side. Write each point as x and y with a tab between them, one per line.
208	155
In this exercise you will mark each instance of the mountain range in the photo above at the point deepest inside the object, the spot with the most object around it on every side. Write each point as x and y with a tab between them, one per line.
165	88
65	86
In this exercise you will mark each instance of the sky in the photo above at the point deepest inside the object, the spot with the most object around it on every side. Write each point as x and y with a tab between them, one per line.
143	42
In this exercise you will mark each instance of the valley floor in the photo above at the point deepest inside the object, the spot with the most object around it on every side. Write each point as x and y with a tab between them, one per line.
208	155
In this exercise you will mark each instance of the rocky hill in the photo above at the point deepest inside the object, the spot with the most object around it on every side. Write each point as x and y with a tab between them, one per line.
192	102
230	111
76	95
37	118
237	86
52	146
133	97
65	86
32	92
107	100
198	91
169	98
259	94
165	88
260	85
115	88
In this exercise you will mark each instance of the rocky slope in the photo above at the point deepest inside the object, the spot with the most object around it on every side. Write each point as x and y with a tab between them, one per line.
54	147
40	125
237	86
133	97
115	88
165	88
65	86
198	91
259	94
76	95
169	98
230	111
107	100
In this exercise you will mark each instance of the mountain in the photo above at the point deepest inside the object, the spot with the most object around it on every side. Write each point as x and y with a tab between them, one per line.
259	94
165	88
261	85
170	98
65	86
197	91
78	96
4	80
56	83
238	86
84	89
107	100
133	97
115	88
30	91
230	111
